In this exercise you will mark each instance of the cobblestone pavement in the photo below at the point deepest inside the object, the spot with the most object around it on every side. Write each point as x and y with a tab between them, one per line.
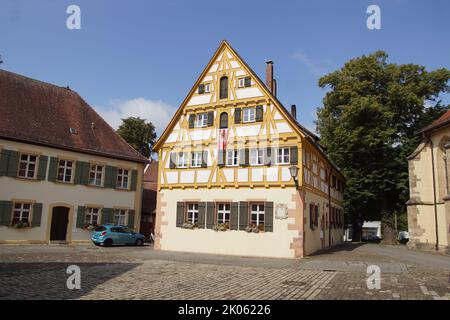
39	272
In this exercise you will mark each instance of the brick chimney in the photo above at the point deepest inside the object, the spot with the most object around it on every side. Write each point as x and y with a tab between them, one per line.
269	75
294	111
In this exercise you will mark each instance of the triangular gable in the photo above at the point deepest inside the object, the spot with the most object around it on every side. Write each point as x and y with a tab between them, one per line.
226	58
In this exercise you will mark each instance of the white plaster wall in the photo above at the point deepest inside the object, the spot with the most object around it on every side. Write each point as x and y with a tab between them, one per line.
270	244
49	193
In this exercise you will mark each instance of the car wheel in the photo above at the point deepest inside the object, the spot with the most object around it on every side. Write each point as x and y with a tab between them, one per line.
108	242
139	242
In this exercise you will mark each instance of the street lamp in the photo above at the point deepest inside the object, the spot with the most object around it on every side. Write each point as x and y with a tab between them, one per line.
294	172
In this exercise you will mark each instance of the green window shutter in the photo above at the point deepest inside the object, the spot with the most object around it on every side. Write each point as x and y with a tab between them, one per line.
259	114
81	216
268	216
244	155
107	216
237	115
191	121
293	154
205	159
12	162
37	214
53	169
247	82
172	160
268	157
243	215
110	177
5	213
202	214
180	214
134	175
210	209
131	214
42	170
210	118
234	216
82	172
4	159
221	158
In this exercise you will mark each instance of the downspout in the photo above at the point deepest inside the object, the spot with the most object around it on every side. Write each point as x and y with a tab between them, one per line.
434	193
329	206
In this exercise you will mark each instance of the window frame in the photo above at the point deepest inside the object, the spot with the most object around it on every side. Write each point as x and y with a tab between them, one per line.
259	156
65	168
258	213
119	185
235	158
185	159
204	120
207	88
27	163
195	213
283	155
120	213
96	172
195	158
90	212
224	212
21	210
249	119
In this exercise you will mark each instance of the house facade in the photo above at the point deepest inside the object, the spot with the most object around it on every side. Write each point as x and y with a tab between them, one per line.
239	175
429	203
63	169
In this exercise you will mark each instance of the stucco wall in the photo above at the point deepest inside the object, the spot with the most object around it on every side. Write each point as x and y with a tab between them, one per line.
70	195
270	244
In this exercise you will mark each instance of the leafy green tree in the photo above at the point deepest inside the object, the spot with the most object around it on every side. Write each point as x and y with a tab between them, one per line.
368	124
139	134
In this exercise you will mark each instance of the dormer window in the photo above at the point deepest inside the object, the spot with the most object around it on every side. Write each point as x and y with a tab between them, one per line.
244	82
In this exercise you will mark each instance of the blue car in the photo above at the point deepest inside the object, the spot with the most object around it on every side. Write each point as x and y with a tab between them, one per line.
108	235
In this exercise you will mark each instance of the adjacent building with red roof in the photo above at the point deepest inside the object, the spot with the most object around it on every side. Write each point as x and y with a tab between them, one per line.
63	169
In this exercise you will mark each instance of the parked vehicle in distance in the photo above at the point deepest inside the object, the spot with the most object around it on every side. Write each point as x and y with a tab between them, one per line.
109	234
403	237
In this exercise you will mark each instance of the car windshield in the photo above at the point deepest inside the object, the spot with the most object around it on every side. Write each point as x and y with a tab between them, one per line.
99	229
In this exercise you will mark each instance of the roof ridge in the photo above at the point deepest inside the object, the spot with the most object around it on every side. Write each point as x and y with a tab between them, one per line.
37	80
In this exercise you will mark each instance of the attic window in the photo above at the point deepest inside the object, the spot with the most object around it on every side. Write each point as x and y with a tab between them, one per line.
73	131
244	82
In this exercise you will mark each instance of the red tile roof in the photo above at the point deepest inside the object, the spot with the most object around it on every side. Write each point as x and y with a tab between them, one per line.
441	121
41	113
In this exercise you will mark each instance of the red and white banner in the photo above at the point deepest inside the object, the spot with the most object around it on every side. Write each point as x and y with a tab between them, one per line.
223	137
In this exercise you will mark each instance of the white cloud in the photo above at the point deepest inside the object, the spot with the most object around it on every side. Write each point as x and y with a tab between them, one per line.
317	69
157	112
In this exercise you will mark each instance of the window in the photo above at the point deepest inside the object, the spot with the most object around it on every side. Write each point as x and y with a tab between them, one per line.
283	156
207	88
204	88
256	157
65	168
232	157
27	166
123	176
244	82
257	215
223	88
182	160
92	216
223	213
314	216
95	175
119	217
192	213
21	213
223	120
196	160
249	115
201	120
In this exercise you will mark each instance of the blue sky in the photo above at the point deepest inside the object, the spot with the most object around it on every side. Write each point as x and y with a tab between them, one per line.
142	57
